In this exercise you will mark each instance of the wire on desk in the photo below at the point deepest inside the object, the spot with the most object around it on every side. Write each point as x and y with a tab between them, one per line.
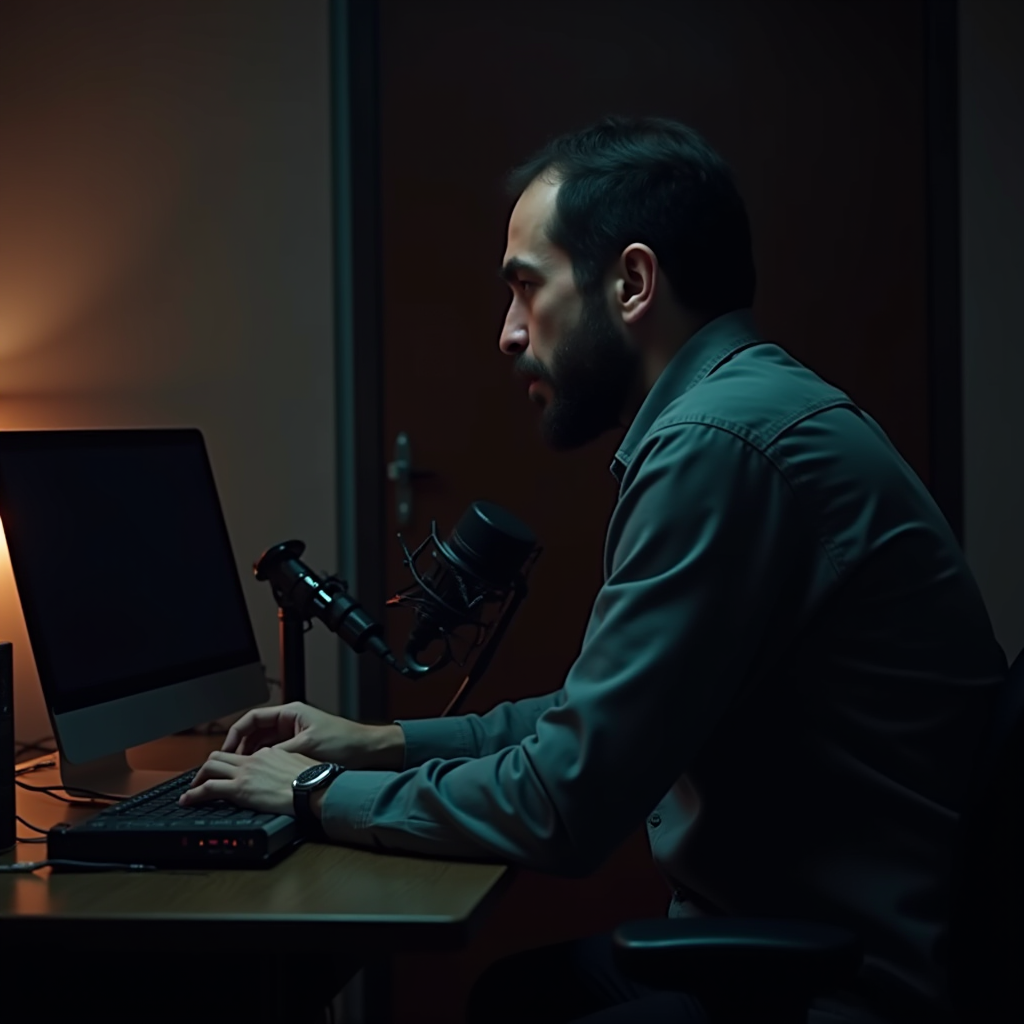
24	867
28	824
43	745
37	767
92	795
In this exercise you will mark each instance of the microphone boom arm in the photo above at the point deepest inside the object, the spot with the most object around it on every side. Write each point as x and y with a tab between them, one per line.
303	595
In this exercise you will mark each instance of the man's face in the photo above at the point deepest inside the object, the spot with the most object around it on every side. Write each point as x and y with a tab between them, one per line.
575	357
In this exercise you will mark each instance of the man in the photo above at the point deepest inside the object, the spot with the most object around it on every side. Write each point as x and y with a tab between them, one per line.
787	667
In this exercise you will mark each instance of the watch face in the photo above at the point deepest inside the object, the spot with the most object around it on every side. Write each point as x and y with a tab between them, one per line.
312	776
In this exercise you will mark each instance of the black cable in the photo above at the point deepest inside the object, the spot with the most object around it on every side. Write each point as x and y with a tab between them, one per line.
46	790
21	749
91	795
37	767
31	839
28	824
27	866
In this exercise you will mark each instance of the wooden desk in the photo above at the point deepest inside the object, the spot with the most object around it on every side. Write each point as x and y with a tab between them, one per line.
279	942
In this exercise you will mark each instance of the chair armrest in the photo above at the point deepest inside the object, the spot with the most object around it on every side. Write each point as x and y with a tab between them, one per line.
710	956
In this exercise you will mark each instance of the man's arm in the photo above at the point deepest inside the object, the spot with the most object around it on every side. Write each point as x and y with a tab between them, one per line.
471	735
707	547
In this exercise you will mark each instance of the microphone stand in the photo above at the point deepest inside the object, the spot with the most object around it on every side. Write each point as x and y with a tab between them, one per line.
280	565
292	643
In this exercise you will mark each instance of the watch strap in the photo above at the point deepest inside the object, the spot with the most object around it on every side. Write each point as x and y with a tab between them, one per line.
310	826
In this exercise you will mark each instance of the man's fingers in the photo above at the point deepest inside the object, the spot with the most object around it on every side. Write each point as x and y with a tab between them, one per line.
212	789
219	765
256	741
252	721
237	733
225	757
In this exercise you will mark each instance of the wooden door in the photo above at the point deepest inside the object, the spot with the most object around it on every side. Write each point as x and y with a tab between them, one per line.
819	109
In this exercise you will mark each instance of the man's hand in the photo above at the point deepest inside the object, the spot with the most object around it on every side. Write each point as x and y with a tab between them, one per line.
300	729
261	781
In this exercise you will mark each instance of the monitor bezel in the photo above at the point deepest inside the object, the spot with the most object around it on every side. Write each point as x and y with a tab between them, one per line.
137	684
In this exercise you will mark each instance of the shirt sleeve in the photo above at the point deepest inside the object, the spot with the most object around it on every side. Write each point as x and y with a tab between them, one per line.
473	735
701	552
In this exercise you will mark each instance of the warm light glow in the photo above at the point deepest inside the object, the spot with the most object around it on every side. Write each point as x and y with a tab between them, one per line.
93	180
30	717
10	606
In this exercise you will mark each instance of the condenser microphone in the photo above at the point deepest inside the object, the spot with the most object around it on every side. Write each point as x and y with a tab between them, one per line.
485	559
481	561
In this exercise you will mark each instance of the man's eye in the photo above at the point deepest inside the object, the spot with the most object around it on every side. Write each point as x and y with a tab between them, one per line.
525	285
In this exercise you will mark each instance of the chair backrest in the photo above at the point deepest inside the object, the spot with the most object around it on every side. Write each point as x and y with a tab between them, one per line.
986	941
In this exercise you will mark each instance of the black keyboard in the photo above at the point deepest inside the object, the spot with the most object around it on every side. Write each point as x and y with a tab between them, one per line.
159	806
150	828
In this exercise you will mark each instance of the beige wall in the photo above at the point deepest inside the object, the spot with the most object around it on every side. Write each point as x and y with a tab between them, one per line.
992	175
165	260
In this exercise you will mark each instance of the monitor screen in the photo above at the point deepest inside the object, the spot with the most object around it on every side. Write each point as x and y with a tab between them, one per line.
122	561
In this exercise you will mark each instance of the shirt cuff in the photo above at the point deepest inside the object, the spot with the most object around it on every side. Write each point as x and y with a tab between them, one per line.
430	738
345	812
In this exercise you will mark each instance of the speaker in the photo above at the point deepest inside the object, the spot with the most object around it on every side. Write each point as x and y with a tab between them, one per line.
6	746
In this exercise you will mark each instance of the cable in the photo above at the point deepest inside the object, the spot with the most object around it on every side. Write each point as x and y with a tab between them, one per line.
27	866
31	839
21	749
92	795
37	767
28	824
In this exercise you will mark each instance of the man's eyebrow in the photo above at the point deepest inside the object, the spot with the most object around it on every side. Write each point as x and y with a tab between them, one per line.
517	265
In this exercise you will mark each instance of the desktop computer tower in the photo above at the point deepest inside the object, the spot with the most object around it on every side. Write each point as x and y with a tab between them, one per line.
6	746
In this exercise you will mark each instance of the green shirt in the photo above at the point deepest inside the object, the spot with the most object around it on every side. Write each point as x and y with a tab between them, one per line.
785	672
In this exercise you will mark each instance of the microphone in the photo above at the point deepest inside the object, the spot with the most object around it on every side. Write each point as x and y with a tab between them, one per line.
484	559
299	588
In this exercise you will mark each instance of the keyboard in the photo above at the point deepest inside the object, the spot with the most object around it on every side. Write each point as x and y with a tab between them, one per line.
150	828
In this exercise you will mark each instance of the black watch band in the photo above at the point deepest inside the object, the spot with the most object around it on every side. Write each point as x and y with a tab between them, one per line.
308	782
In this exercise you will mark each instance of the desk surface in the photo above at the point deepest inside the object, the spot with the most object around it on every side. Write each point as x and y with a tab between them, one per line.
375	901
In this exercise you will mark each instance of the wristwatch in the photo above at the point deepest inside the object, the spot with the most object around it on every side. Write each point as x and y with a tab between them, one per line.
317	776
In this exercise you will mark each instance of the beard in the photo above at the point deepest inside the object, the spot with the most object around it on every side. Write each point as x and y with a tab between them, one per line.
593	371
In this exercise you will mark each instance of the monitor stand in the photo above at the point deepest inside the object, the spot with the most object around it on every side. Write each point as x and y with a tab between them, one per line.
109	776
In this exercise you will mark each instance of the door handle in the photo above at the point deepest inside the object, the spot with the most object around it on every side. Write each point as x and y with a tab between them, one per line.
402	473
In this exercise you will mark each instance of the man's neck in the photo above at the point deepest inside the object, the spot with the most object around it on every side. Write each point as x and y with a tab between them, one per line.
657	354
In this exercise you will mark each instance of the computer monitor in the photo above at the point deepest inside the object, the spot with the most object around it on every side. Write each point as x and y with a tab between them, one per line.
131	595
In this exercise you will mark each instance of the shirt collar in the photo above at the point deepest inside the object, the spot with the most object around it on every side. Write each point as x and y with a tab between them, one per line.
702	353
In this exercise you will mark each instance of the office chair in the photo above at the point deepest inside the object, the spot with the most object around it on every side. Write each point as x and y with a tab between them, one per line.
750	970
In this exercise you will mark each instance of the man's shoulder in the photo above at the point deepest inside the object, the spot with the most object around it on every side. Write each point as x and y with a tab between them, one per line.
757	394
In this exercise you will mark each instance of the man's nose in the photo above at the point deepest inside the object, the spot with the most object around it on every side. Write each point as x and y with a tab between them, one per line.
514	336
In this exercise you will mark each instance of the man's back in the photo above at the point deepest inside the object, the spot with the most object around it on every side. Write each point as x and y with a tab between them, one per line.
832	786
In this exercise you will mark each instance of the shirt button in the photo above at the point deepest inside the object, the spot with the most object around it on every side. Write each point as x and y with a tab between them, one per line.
654	820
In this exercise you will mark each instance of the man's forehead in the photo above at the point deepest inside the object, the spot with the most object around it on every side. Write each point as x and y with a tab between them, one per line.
527	240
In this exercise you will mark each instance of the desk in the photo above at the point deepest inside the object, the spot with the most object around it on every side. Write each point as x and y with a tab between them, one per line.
278	942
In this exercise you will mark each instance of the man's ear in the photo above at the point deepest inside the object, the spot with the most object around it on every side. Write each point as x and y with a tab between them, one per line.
636	282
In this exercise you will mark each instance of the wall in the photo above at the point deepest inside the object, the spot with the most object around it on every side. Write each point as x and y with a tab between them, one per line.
165	259
992	225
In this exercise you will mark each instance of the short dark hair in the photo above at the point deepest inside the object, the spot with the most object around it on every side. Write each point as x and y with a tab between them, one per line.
655	181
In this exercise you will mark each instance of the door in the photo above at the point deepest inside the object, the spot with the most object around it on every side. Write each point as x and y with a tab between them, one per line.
818	107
